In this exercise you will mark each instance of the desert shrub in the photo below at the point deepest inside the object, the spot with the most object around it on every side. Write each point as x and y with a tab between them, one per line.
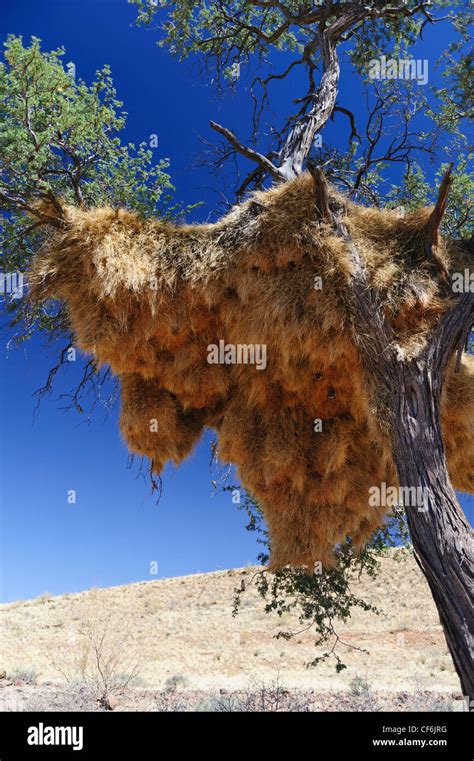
96	658
358	686
423	701
175	682
170	701
27	674
363	697
262	697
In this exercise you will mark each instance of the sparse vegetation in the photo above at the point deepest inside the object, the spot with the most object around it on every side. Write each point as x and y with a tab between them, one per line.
178	658
175	683
99	661
26	674
263	697
359	685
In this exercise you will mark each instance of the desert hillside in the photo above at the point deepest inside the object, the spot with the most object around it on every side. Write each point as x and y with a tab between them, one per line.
180	632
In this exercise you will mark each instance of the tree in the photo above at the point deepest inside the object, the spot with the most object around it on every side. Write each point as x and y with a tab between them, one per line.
406	389
60	139
226	37
52	149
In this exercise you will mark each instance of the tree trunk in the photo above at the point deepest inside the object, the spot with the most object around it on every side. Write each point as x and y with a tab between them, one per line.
406	393
442	538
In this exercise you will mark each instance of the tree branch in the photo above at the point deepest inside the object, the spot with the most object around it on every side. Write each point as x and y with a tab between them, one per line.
248	152
334	22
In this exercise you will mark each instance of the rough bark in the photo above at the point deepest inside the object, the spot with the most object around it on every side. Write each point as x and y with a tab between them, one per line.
298	144
332	24
441	536
407	395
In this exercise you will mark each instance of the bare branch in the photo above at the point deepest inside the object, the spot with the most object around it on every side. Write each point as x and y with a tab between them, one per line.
334	23
438	211
249	153
354	134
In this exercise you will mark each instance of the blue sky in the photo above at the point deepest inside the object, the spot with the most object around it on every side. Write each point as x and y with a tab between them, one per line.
115	530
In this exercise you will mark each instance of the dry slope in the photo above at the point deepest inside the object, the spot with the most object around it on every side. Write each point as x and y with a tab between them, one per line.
184	627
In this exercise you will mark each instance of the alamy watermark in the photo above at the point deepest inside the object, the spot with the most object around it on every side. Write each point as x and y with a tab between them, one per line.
407	496
12	283
237	354
462	282
50	735
399	68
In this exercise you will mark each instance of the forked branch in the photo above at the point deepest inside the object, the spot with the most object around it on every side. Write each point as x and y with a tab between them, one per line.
333	23
406	391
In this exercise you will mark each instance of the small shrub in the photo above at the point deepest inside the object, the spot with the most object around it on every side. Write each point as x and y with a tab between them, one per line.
97	661
422	701
175	682
28	675
45	597
364	699
358	686
262	697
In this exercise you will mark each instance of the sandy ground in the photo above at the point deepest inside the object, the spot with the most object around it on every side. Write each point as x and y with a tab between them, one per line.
179	635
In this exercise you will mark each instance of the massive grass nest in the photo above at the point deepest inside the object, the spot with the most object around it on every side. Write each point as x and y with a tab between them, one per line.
149	298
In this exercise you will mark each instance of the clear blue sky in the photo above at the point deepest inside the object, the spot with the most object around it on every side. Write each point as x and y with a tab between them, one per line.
114	531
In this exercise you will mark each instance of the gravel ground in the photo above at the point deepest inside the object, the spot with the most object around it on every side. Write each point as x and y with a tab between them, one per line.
258	697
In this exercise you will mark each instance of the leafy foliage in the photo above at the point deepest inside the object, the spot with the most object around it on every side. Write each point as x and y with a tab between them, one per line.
60	139
410	130
321	597
233	31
